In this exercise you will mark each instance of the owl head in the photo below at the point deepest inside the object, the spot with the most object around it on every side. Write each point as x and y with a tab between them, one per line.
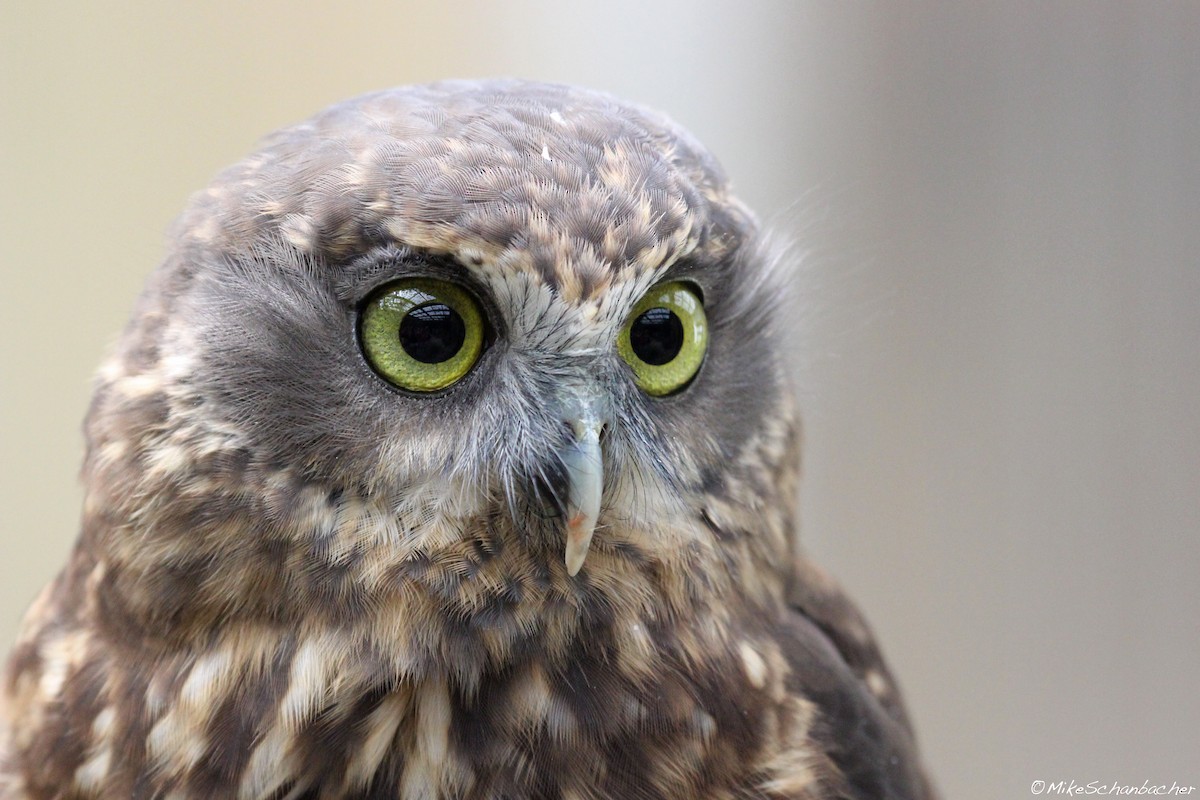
428	324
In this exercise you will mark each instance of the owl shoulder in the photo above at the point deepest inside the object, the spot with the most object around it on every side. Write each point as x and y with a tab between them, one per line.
836	664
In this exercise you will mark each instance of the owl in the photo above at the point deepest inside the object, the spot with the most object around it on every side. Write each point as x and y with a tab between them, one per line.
451	453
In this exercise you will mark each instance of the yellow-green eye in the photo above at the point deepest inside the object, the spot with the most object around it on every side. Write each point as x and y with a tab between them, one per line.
422	334
665	338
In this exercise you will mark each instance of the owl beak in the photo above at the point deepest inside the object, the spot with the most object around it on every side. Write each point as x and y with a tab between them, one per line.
584	464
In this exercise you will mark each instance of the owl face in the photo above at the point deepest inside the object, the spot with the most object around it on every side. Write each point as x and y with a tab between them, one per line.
502	301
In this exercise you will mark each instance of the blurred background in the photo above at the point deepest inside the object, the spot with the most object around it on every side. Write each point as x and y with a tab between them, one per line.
998	209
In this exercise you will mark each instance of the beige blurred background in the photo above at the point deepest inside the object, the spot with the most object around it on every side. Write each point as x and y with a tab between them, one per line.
1001	334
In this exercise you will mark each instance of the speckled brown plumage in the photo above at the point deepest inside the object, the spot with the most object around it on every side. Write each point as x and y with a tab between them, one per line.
294	581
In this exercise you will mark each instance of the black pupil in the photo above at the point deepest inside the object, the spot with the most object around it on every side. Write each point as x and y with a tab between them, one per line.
432	333
656	336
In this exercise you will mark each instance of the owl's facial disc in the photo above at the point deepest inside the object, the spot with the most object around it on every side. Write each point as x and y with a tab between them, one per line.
584	464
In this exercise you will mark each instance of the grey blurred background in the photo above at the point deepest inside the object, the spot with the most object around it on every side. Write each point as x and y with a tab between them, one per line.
999	211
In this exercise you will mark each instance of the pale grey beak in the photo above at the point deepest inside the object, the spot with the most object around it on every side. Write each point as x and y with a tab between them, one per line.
584	465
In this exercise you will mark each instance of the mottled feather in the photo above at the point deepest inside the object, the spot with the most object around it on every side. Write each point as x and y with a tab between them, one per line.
294	581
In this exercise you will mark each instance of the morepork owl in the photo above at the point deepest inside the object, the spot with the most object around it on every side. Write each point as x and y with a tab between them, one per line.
450	454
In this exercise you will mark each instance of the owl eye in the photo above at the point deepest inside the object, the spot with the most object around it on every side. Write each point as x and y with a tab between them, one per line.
665	339
421	334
